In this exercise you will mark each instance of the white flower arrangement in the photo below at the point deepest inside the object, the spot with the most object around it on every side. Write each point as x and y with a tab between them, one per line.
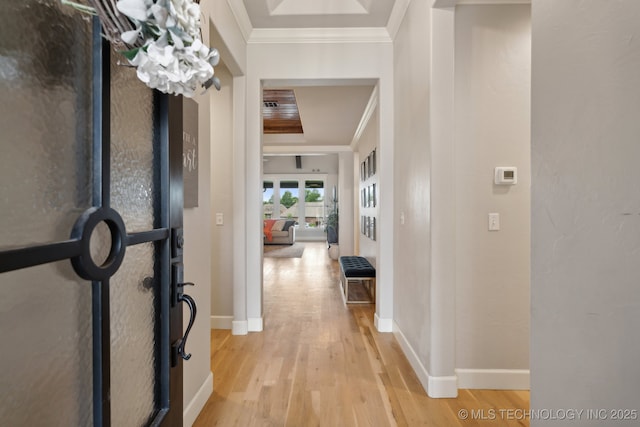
161	39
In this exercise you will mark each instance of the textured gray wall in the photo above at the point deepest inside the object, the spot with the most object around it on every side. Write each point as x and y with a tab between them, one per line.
585	209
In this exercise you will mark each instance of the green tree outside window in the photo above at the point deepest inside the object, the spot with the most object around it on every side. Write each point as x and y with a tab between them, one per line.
287	199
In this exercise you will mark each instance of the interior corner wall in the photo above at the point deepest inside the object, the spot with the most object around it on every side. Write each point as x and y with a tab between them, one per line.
585	344
492	128
412	253
222	193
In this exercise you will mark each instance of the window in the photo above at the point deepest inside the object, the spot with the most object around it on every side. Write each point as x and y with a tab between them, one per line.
289	200
267	199
314	204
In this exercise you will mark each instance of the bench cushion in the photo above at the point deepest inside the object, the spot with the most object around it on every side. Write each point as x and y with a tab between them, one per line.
356	266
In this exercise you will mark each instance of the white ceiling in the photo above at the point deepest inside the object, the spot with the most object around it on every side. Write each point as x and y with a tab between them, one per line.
330	112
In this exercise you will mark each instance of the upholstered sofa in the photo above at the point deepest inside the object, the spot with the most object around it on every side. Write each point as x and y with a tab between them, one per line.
279	232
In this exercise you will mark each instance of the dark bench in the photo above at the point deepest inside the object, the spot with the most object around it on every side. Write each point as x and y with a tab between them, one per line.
357	269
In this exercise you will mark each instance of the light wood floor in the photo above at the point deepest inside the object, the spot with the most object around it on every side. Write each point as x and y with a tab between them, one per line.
321	363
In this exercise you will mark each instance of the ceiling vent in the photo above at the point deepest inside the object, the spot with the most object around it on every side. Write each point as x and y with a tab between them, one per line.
271	104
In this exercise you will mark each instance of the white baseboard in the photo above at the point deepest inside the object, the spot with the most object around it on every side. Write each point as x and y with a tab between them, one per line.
221	322
494	379
255	324
191	412
436	387
239	327
443	387
382	325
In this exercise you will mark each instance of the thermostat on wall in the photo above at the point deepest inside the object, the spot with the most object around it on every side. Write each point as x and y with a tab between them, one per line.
506	175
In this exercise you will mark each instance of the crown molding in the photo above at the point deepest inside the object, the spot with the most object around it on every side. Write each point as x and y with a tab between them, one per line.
304	149
397	15
242	18
366	116
487	2
319	35
454	3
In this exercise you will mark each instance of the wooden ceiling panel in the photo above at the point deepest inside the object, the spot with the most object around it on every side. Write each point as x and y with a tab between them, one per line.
280	112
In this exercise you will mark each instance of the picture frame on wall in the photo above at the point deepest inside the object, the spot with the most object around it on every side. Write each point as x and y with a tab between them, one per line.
373	228
366	168
366	228
373	194
363	174
369	169
373	162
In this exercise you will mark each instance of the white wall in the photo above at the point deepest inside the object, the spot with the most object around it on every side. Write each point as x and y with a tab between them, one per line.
197	376
585	344
222	193
324	163
412	238
492	128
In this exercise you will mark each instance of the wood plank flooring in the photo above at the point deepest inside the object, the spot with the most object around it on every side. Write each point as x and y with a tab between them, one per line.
321	363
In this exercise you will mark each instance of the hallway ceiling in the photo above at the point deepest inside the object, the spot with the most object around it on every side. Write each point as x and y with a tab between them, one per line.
330	111
330	117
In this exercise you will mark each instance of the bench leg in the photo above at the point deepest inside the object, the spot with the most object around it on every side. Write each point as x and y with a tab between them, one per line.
368	283
367	287
344	287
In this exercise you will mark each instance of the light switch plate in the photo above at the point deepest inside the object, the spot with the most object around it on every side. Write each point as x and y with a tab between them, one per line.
494	221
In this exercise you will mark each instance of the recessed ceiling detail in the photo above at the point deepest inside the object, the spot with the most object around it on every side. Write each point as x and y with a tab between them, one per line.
280	113
315	7
318	13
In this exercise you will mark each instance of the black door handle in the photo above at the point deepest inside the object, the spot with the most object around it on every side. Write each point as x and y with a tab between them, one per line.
182	297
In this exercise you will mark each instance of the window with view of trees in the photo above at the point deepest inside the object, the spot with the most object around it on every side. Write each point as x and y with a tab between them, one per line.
267	198
314	203
289	200
284	195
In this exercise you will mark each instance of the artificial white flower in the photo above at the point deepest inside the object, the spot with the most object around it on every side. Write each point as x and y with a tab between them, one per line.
136	9
172	58
187	14
130	37
161	16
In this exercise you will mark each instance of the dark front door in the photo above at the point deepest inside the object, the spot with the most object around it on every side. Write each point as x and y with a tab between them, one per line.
90	229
